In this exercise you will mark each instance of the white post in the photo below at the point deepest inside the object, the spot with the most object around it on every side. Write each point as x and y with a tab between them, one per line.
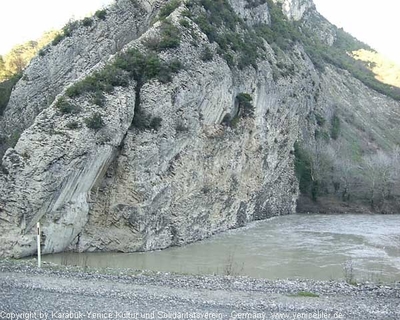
39	262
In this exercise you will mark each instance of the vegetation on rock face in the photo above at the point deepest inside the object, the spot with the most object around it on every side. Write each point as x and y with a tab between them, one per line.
155	123
246	107
335	130
5	91
285	33
132	64
238	44
73	125
170	38
102	81
101	14
87	22
206	54
254	3
168	8
303	170
241	45
66	107
319	168
65	32
95	122
339	55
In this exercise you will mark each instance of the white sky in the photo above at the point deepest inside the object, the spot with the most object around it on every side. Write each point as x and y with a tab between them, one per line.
24	20
374	22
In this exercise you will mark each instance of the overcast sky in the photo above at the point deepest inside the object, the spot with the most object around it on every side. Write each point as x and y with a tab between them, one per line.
374	22
24	20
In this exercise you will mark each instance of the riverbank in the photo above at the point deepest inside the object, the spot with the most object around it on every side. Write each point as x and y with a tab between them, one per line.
331	204
70	292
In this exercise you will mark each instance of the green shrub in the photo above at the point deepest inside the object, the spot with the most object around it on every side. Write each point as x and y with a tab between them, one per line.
184	23
104	80
130	64
140	120
226	120
87	22
222	25
302	167
335	130
6	88
187	13
155	123
13	139
89	84
58	38
101	14
65	107
229	59
98	98
168	8
180	127
245	104
320	119
230	121
175	66
95	121
69	27
73	125
143	68
235	121
170	37
321	134
206	54
306	294
254	3
206	27
112	76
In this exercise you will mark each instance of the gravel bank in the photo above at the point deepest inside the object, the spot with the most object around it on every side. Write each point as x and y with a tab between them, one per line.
70	293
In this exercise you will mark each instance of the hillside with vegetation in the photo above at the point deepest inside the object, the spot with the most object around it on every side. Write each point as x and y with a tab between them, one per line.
385	70
14	62
154	124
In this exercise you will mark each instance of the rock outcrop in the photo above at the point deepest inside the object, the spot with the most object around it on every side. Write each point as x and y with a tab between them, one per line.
49	73
295	9
204	168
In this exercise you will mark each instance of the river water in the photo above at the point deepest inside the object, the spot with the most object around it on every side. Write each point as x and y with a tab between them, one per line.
324	247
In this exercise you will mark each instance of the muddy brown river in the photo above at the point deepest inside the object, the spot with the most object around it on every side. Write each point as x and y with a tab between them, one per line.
322	247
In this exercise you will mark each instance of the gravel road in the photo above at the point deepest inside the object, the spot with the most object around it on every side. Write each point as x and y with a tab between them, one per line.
70	293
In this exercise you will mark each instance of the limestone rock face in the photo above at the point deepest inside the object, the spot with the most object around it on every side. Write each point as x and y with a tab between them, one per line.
206	168
62	64
295	9
252	15
49	174
194	176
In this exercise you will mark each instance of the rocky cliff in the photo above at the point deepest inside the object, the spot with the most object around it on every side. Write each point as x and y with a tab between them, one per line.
141	132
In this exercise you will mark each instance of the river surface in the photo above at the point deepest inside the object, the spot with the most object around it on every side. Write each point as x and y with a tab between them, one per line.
324	247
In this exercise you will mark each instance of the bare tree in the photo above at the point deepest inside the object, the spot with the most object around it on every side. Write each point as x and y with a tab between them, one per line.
380	172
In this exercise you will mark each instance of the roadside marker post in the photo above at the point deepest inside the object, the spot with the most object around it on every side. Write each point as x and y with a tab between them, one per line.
39	260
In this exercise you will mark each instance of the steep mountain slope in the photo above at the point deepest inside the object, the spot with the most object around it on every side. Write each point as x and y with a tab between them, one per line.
172	120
